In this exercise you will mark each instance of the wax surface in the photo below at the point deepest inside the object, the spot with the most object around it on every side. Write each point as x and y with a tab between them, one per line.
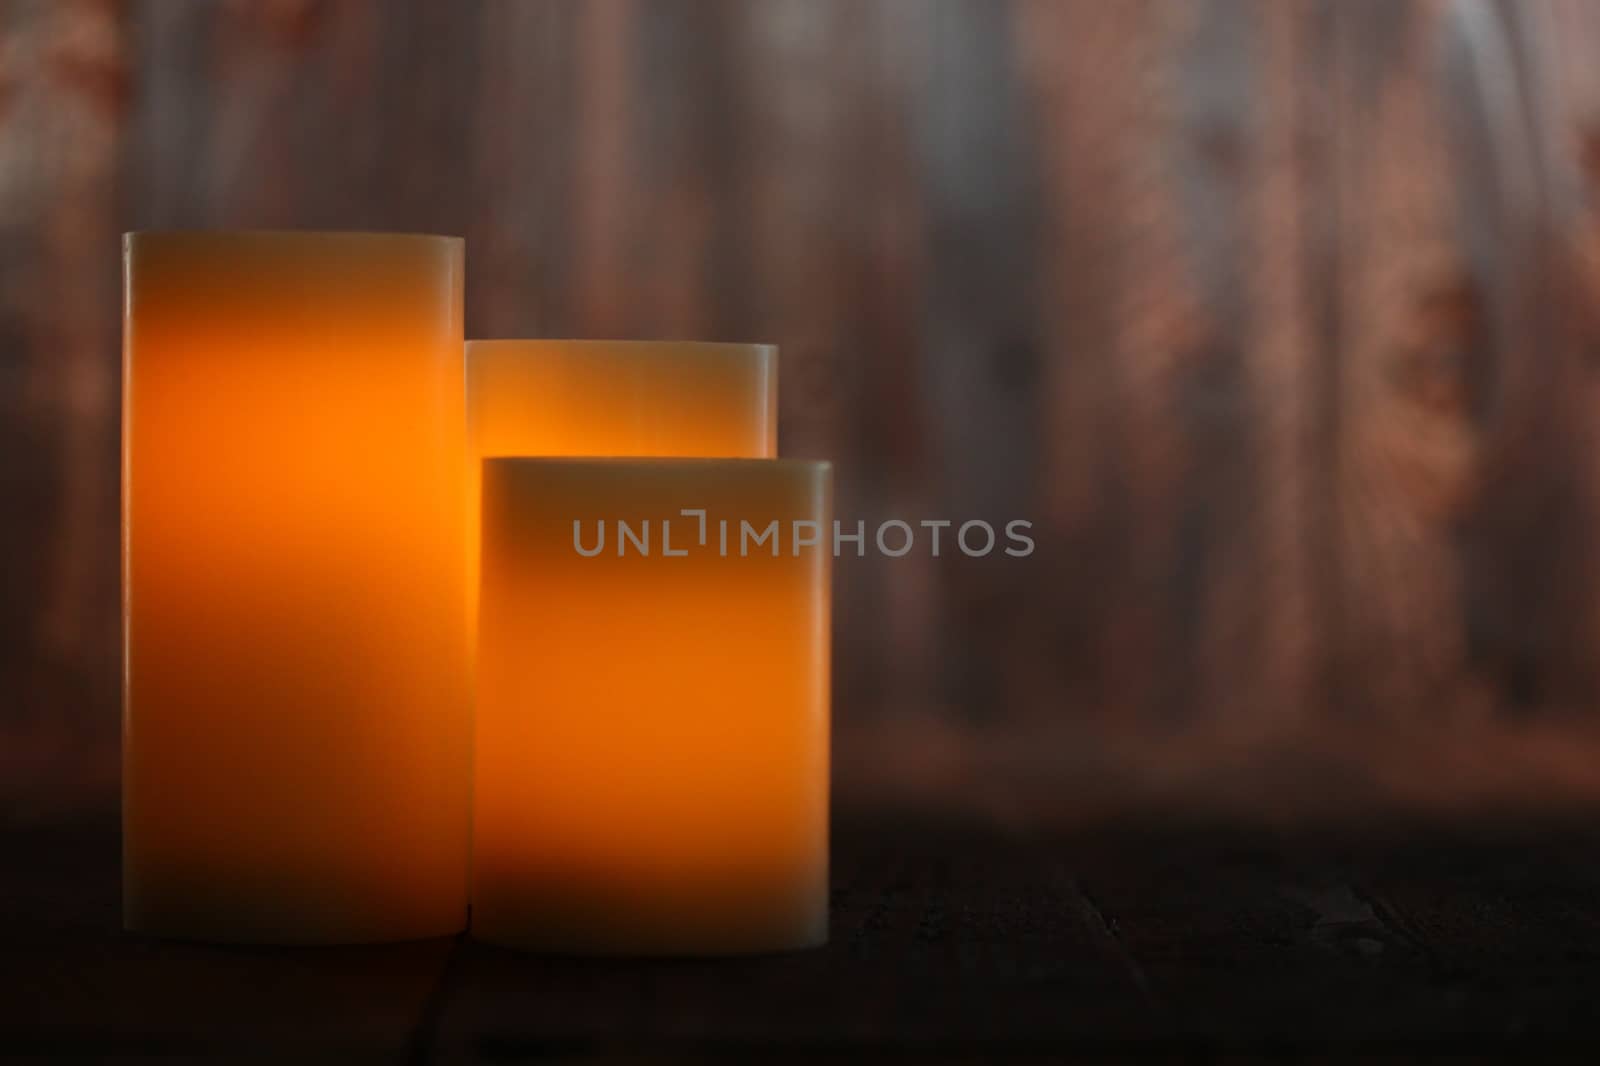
297	719
652	755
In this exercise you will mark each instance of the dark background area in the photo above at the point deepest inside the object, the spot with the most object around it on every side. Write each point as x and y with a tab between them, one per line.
1277	318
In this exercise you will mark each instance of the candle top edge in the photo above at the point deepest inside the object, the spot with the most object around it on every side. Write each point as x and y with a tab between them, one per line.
633	346
699	462
220	235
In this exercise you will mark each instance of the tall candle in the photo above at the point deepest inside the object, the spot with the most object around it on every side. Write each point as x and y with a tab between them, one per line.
297	714
652	717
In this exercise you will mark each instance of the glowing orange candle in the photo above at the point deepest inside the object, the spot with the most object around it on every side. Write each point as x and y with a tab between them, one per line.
297	720
642	398
652	719
618	398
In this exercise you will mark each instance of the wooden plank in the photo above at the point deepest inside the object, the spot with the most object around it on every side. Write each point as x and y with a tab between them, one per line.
941	938
1501	895
71	983
1506	913
1436	939
952	941
1246	946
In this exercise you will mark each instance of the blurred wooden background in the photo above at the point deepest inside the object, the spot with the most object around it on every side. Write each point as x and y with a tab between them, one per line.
1278	318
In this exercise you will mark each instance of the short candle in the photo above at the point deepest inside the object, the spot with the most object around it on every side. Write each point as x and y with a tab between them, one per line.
296	749
652	718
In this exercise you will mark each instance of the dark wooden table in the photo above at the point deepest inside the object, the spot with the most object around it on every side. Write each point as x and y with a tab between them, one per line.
951	942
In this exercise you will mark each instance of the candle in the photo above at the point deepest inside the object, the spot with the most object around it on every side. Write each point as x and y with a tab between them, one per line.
296	760
652	717
642	398
618	398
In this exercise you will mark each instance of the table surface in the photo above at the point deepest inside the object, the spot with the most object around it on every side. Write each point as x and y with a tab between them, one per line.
952	941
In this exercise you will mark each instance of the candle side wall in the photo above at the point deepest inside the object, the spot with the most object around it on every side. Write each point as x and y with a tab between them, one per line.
297	720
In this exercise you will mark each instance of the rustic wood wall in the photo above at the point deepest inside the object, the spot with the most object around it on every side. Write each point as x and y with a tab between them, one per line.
1276	317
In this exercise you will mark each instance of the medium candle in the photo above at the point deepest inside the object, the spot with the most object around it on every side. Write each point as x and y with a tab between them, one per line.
615	398
652	718
621	398
297	721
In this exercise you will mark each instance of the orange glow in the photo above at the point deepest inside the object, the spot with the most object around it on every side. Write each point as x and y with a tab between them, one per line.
297	715
652	731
